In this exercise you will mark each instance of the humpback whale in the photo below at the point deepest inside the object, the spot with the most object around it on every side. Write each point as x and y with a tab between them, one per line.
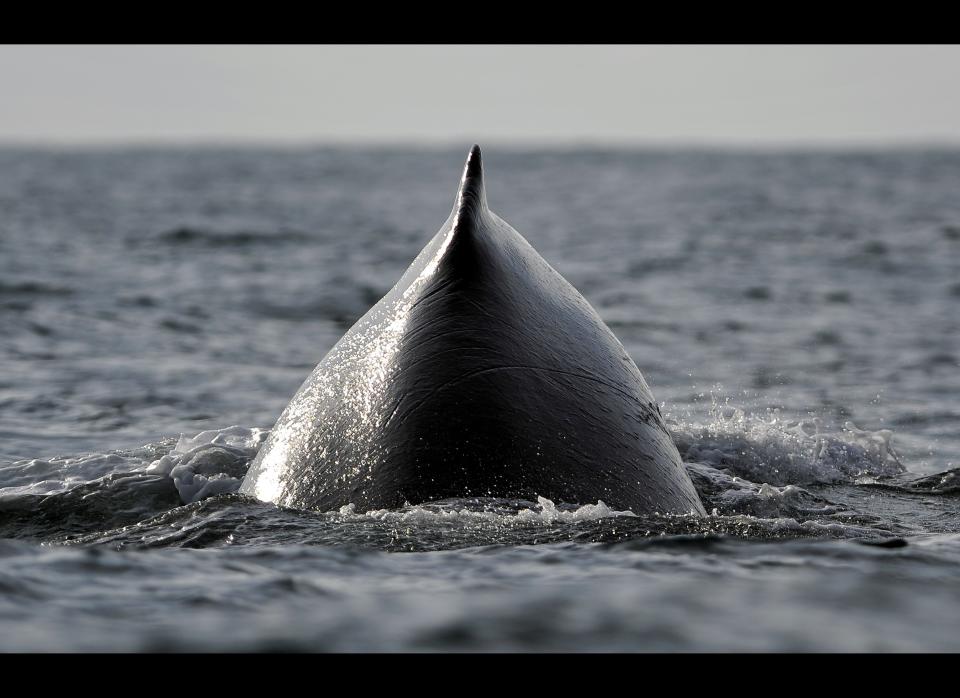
482	373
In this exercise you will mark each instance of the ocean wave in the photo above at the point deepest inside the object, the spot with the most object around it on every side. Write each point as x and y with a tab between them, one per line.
737	456
218	238
33	288
753	476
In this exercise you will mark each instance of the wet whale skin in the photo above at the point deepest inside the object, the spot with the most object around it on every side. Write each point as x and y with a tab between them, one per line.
482	373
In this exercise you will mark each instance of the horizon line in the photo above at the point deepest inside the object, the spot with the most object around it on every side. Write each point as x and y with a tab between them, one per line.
207	142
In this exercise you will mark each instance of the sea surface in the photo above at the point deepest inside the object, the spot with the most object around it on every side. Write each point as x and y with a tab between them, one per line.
797	315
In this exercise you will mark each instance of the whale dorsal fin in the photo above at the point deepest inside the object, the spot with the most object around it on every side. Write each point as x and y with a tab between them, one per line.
462	255
471	198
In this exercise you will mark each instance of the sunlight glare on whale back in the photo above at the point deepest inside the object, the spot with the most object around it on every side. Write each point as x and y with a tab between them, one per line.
375	358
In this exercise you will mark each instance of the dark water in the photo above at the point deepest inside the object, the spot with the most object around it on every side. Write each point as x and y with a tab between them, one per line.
796	313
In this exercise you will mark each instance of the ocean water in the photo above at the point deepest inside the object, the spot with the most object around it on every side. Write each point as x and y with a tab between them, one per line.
795	313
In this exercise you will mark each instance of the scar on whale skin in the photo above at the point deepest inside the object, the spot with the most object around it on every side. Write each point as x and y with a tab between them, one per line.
482	373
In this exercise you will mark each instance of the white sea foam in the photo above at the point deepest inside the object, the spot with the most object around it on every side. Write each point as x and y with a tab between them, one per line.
546	513
212	462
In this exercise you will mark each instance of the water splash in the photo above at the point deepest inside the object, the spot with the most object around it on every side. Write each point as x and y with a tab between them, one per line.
778	451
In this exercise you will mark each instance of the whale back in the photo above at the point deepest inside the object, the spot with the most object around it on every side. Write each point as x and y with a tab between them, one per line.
483	372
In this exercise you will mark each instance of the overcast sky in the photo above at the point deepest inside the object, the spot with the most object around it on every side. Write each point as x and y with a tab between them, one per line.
453	94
